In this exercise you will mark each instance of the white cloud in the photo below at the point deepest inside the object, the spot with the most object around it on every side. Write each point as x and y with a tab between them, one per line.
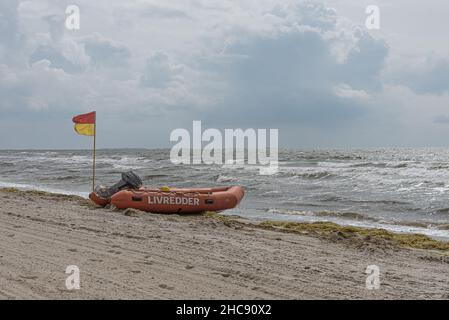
257	63
345	91
65	54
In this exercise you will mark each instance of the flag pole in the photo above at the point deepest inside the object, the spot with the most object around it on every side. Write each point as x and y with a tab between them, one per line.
94	153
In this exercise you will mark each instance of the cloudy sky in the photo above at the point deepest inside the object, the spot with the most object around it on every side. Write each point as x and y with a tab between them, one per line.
309	68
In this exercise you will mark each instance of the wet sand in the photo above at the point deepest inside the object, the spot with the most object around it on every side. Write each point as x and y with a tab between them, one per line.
135	255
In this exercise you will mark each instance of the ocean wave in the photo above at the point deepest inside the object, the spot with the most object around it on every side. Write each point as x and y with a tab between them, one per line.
345	215
126	167
438	166
307	175
441	211
155	176
395	165
62	178
321	156
326	213
21	186
385	202
271	194
368	164
292	203
328	197
403	184
289	212
364	221
118	161
223	178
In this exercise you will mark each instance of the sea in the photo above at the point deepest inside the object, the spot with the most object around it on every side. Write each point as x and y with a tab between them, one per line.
398	189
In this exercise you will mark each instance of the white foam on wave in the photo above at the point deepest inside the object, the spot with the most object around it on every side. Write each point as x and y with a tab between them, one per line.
21	186
125	162
433	233
308	216
223	178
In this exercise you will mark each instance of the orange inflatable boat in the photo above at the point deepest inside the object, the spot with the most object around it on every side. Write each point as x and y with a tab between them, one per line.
129	193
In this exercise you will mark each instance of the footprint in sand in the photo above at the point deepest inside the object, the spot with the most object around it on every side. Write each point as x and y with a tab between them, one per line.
164	286
29	277
115	252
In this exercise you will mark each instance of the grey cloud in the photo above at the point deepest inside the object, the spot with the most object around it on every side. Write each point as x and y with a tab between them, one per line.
246	64
8	21
441	119
12	93
62	53
428	76
158	12
159	72
56	59
364	63
105	52
289	75
56	26
73	56
308	13
11	38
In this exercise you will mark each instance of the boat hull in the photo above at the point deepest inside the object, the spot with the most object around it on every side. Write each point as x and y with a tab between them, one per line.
102	202
176	200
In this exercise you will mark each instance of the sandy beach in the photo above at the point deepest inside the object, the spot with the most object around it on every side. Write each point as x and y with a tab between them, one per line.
135	255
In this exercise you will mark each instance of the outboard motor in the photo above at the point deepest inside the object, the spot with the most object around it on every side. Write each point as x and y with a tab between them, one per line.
130	180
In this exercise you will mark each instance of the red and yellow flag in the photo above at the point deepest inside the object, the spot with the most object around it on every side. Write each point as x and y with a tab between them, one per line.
85	124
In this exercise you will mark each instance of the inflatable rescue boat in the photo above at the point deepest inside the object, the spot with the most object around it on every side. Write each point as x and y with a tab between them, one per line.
129	193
